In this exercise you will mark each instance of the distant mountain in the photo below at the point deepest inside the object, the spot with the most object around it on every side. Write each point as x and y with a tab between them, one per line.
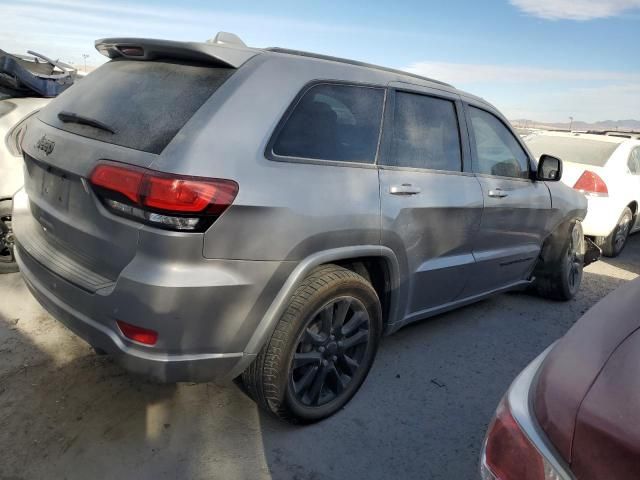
579	125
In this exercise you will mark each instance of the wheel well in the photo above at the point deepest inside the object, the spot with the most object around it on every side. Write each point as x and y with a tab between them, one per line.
376	271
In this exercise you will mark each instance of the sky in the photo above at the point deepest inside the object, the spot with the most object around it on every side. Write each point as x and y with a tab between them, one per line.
545	60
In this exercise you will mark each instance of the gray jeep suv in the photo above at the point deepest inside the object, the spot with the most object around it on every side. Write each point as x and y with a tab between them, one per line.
211	211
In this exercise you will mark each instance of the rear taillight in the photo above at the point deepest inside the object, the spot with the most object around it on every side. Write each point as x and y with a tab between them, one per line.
167	201
509	454
590	183
138	334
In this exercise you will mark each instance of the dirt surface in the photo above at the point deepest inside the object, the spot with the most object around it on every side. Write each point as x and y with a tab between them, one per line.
66	413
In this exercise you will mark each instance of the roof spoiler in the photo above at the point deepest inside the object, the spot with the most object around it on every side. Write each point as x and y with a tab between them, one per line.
227	54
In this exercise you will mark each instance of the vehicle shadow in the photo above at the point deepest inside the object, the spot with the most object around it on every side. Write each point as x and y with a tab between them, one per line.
68	413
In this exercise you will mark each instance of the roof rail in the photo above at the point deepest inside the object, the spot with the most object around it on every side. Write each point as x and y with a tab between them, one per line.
356	63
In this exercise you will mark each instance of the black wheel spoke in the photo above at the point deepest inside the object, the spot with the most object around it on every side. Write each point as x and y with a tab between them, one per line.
360	337
326	319
301	359
350	364
318	383
312	337
301	385
340	383
354	323
341	314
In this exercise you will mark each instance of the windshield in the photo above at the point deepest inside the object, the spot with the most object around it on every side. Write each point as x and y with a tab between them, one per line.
572	149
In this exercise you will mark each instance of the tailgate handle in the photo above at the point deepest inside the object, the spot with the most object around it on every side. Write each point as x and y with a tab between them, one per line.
404	189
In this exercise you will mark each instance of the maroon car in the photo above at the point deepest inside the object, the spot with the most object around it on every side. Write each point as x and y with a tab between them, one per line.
574	412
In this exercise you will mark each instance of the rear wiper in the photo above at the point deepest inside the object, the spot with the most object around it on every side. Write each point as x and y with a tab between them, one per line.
68	117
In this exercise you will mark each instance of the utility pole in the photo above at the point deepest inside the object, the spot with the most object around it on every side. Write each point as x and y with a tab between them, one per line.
85	56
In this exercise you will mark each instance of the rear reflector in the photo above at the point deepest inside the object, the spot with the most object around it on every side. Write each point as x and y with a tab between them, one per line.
168	201
590	183
138	334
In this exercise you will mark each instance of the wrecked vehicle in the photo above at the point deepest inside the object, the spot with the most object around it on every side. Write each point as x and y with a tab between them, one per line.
26	85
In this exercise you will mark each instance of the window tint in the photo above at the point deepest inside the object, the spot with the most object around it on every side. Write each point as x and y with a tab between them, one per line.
497	150
425	133
634	162
333	122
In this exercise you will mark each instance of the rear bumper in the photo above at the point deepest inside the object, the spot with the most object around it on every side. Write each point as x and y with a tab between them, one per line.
164	367
602	216
205	311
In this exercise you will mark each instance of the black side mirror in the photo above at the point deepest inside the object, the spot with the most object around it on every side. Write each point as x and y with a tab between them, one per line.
549	169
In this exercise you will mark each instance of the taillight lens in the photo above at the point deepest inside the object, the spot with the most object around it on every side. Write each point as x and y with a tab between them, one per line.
138	334
508	453
592	184
122	180
167	201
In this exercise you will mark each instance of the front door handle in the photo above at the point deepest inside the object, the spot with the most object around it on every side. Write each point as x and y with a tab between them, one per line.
498	193
404	189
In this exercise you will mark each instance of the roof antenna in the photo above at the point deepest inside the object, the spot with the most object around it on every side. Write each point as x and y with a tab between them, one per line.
226	38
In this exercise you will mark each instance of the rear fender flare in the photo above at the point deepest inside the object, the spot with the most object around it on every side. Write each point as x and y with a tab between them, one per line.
276	309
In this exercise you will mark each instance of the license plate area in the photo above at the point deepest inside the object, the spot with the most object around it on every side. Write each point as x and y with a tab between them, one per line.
55	188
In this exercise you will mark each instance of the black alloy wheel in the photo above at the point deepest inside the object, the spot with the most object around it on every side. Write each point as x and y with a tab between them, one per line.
330	351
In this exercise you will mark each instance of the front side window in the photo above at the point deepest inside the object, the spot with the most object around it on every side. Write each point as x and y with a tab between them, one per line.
333	122
497	151
634	162
424	133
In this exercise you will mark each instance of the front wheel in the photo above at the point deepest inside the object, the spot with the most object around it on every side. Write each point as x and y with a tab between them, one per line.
321	350
563	276
613	244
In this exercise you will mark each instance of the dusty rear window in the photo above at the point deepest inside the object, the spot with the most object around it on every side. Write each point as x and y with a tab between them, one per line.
572	149
144	103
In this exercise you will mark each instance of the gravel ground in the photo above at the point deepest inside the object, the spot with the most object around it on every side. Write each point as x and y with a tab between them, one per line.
422	413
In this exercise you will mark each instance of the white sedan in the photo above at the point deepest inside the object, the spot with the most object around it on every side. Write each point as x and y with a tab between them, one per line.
607	170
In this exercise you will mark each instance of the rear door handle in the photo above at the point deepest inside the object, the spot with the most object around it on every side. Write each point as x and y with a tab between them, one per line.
404	189
498	193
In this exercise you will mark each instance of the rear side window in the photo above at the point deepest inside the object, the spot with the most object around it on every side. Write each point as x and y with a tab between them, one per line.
333	122
425	133
144	103
497	151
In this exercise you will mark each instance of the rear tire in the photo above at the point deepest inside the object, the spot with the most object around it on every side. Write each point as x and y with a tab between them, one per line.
614	243
7	259
321	350
563	277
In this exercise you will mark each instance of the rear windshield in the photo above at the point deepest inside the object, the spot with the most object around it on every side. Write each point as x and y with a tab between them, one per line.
144	103
572	149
